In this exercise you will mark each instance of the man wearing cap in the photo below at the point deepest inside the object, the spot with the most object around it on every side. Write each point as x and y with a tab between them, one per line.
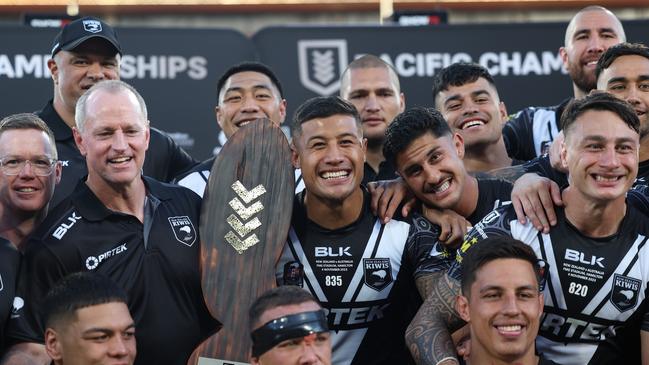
288	327
85	52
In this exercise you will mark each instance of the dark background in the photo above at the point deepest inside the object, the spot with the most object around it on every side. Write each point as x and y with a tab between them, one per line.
183	104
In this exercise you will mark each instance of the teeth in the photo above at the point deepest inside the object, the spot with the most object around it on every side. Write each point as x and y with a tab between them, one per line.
26	190
334	174
120	159
512	328
472	123
606	179
244	123
591	63
442	188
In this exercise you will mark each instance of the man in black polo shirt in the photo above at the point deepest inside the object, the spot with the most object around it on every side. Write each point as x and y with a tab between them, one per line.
28	173
139	232
85	52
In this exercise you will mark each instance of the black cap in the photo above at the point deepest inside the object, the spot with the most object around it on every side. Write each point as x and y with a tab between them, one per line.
80	30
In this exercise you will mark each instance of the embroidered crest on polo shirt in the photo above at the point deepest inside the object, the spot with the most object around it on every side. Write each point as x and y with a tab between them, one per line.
183	229
17	305
92	26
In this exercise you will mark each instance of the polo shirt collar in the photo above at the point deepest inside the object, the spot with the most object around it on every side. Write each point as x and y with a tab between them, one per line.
92	209
61	130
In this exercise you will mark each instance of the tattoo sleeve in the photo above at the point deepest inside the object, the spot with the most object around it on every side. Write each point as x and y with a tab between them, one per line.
428	335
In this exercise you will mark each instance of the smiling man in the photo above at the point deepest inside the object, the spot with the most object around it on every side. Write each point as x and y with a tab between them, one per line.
29	171
358	269
466	95
139	232
590	32
595	302
246	91
501	302
87	51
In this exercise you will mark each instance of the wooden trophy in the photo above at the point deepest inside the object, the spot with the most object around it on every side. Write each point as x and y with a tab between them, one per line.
245	220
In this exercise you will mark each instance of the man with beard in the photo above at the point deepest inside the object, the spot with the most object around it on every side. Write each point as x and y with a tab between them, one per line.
372	86
623	71
590	32
595	300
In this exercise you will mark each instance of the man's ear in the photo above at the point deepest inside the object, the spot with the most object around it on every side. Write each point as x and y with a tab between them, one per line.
458	141
462	307
78	139
53	345
295	157
564	56
282	111
54	70
502	109
217	115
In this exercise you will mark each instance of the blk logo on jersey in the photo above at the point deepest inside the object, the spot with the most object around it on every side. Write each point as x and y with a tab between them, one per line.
378	273
183	229
293	273
625	291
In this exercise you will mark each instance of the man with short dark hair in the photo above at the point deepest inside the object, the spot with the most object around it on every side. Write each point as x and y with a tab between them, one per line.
246	91
29	171
359	269
501	302
595	302
530	132
466	95
135	230
372	86
85	52
288	327
87	321
623	71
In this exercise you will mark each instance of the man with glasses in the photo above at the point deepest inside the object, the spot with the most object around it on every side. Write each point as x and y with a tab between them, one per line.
28	173
137	231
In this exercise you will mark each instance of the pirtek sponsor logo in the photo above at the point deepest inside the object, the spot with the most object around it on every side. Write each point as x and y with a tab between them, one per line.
93	261
351	316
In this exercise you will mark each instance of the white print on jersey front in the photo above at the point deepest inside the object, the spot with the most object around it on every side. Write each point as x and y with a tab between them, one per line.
63	228
353	311
93	261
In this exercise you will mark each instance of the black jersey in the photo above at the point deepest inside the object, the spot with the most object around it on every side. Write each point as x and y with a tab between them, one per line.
542	167
492	194
164	158
9	263
362	275
530	132
156	262
595	297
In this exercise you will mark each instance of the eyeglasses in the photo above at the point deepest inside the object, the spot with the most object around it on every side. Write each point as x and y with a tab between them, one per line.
40	166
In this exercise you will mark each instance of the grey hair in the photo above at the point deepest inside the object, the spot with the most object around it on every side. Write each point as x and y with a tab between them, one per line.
110	86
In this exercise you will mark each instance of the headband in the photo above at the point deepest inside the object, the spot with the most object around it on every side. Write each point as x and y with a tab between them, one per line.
285	328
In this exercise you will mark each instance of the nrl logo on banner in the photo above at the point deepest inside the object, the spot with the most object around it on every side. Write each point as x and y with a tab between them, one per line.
321	62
